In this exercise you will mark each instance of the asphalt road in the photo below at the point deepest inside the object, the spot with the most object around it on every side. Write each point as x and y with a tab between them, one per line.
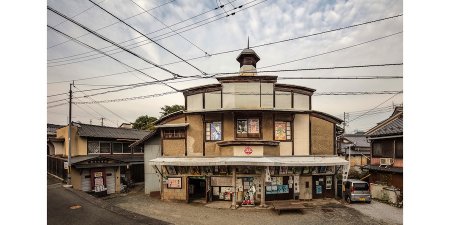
59	201
381	211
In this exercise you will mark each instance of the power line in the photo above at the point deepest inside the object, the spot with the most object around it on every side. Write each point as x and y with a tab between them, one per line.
137	44
336	50
103	26
128	25
356	93
264	71
376	106
86	45
134	85
261	45
206	53
135	37
111	42
125	120
74	17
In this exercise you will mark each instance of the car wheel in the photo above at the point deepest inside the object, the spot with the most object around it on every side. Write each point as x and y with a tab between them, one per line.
368	202
348	200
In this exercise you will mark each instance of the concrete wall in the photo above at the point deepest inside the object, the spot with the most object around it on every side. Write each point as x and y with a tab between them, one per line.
322	137
173	147
79	144
301	134
75	178
382	192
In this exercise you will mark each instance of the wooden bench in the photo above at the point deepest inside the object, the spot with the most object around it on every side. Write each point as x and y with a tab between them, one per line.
289	205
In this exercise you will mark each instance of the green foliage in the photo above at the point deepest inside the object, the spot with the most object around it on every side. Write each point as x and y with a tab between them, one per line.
168	109
144	123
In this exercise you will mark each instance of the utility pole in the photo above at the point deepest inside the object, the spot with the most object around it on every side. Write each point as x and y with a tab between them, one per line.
102	120
70	134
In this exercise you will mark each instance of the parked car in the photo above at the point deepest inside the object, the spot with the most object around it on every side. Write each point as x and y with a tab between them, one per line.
356	190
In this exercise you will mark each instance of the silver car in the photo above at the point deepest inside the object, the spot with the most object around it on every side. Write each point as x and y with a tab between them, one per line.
356	191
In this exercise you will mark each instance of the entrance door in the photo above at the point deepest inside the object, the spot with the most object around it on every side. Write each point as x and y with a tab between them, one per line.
305	187
318	187
110	180
197	189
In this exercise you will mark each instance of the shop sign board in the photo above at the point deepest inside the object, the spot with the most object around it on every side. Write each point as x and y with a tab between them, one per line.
174	182
221	181
66	165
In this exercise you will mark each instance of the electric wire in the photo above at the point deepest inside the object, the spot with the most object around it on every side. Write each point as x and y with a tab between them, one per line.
122	63
376	106
106	25
158	44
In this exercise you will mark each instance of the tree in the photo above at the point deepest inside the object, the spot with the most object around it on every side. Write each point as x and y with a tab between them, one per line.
170	109
144	123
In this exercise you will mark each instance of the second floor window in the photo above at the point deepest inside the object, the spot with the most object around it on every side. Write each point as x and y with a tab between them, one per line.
177	133
247	128
121	148
98	147
213	131
282	131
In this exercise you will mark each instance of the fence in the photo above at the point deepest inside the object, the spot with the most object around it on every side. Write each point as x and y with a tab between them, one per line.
55	166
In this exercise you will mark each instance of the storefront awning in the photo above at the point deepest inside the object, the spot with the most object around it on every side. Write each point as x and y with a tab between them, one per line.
250	161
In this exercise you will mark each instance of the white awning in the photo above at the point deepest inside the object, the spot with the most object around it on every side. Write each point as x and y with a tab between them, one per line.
250	161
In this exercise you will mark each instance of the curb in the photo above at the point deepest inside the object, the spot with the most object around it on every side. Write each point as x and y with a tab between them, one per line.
102	204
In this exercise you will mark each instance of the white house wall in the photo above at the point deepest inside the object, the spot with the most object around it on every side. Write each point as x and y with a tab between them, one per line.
195	102
301	134
212	100
301	102
282	100
285	148
152	150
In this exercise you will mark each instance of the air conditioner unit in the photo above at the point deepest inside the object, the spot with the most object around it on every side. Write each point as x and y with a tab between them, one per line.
386	161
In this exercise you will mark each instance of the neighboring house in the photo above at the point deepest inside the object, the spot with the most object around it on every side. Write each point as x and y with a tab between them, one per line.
55	146
386	140
101	158
247	139
355	148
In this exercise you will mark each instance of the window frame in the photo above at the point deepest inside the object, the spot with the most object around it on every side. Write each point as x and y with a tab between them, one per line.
248	118
290	129
124	145
100	146
206	130
165	131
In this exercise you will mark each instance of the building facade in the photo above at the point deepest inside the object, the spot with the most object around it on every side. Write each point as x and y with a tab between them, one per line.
386	141
101	157
247	140
355	148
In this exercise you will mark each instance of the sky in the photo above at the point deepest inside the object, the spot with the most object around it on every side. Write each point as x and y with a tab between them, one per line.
169	23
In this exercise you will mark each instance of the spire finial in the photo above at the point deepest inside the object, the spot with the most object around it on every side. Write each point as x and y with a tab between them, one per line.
248	42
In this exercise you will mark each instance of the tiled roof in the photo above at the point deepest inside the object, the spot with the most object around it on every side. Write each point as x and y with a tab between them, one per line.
51	128
358	140
86	130
393	127
144	139
383	169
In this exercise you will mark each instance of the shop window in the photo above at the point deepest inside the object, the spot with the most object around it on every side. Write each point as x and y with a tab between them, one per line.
178	133
282	131
248	127
213	131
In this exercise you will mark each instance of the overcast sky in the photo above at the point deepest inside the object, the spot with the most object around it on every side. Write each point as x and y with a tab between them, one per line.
265	22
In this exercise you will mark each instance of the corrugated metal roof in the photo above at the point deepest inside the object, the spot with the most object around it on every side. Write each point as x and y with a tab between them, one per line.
250	161
87	130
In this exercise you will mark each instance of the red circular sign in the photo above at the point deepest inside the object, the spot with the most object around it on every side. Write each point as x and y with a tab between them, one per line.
248	150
